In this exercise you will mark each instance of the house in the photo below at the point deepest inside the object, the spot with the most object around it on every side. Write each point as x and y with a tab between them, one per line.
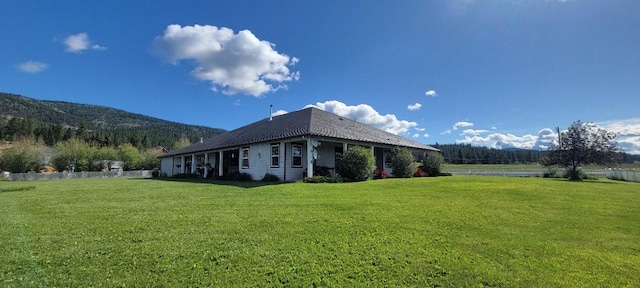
292	146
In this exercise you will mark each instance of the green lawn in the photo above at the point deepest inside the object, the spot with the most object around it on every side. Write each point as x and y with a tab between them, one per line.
426	232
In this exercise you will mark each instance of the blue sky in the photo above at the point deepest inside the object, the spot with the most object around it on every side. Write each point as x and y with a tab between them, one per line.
496	73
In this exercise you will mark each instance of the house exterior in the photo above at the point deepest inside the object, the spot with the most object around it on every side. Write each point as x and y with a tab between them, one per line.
292	146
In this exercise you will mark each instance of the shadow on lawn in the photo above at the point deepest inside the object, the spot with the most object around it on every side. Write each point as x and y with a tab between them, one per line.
241	184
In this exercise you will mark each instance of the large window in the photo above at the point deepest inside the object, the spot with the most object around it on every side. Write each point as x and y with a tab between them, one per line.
275	155
245	157
296	160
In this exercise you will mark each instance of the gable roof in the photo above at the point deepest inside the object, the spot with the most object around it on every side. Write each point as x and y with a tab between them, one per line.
306	122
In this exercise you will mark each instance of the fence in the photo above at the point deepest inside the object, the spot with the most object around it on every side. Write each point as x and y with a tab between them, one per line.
517	172
75	175
626	175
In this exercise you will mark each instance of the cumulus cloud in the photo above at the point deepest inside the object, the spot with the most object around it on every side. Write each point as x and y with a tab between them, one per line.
431	93
32	66
462	124
279	112
239	63
414	107
364	113
627	136
473	132
627	133
420	129
501	140
426	135
416	135
77	43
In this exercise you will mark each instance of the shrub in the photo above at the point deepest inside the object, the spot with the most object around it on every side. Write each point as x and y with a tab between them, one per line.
402	163
22	158
579	175
243	177
269	177
356	164
420	173
380	174
432	164
155	173
322	179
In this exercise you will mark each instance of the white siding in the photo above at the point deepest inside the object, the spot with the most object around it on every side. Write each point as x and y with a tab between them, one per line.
168	166
260	161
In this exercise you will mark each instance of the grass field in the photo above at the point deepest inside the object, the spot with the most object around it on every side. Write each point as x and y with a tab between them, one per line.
459	231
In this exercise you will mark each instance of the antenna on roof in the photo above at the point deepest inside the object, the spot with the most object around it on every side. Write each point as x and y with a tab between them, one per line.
270	112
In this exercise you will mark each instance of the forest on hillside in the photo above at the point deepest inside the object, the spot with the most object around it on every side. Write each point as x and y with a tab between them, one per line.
54	121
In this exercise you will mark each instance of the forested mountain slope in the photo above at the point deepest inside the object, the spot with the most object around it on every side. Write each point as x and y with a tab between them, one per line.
51	120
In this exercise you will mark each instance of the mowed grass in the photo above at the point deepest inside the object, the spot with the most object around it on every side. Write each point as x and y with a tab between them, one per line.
460	231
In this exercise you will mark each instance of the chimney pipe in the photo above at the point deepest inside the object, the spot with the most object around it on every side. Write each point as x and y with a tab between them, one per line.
270	112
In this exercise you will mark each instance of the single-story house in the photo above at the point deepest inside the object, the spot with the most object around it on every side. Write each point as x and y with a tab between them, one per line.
292	146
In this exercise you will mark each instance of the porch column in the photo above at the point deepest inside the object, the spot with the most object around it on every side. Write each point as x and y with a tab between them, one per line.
220	168
344	147
206	161
193	163
309	158
182	164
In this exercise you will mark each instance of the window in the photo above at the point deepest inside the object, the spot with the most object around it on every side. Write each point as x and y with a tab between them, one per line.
296	161
245	157
275	155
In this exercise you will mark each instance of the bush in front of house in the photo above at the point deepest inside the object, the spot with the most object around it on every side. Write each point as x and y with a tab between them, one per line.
402	163
432	164
356	164
380	174
420	173
322	179
270	177
237	176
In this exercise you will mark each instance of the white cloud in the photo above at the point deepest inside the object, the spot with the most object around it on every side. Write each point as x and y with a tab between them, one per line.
627	136
238	63
279	112
501	141
426	135
431	93
364	113
420	129
627	133
462	124
473	132
416	135
32	66
445	132
77	43
414	107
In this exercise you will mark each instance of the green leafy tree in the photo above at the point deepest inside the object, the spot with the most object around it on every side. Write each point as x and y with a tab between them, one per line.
22	157
403	163
149	158
357	164
72	155
432	163
182	142
582	143
130	156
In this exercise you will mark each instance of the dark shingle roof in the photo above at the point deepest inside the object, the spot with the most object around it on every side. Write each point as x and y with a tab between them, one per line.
306	122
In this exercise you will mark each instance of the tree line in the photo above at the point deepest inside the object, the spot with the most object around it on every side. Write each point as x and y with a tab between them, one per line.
468	154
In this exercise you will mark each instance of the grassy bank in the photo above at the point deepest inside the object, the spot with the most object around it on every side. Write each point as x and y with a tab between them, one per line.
450	231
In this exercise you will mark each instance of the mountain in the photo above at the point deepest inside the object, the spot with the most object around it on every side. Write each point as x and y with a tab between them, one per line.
100	121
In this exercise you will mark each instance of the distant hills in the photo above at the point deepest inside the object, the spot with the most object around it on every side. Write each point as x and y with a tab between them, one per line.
104	124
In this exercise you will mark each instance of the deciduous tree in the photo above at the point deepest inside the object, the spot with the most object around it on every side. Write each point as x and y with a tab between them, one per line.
582	143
